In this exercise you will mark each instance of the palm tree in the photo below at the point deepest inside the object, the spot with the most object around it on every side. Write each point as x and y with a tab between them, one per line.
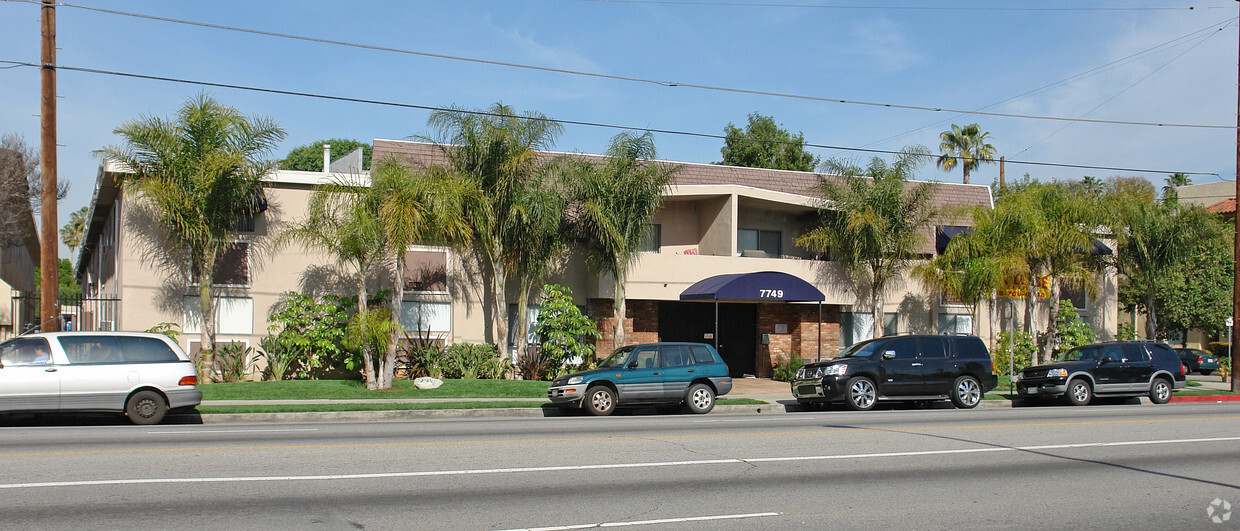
873	220
498	150
75	229
964	146
613	205
427	207
200	171
342	220
1170	195
538	219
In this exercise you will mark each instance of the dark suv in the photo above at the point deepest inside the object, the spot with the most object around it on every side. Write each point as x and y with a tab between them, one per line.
1117	368
917	368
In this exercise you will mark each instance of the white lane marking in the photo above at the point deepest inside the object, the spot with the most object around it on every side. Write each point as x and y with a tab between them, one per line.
611	466
194	432
763	419
648	522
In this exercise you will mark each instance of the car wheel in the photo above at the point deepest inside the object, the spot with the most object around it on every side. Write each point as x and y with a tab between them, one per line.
861	394
145	407
600	400
1206	373
1160	391
701	399
967	393
1079	392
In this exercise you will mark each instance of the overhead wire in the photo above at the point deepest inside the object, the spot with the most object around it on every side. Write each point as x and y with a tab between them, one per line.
663	83
886	7
541	119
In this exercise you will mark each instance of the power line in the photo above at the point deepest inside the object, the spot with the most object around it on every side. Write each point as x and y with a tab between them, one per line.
637	79
891	8
550	120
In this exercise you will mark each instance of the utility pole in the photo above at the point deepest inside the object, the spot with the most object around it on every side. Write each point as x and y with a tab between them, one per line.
1235	285
1001	181
48	259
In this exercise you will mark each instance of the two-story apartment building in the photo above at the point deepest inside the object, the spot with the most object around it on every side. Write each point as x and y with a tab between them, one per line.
695	281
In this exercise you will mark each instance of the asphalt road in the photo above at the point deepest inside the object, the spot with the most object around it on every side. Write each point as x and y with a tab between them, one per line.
1107	467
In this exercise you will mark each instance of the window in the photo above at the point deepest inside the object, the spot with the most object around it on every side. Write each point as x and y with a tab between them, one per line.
933	347
675	356
233	315
859	326
905	348
422	316
1134	353
653	239
701	354
766	242
426	271
955	323
26	351
531	313
646	358
232	266
116	349
1075	294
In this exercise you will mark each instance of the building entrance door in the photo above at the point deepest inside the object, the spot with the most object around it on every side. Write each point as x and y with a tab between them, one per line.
695	321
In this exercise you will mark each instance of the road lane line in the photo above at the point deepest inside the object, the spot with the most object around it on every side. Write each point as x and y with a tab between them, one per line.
195	432
647	522
914	429
759	419
605	466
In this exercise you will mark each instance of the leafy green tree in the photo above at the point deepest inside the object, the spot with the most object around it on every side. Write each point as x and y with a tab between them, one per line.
1015	351
965	147
308	331
872	220
1153	238
68	286
561	325
75	229
764	144
310	156
614	203
1071	331
200	172
498	150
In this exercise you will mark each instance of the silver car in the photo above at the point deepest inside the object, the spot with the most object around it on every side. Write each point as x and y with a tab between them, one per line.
141	375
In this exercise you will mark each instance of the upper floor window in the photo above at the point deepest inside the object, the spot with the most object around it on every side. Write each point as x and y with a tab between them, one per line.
232	266
653	239
761	243
426	270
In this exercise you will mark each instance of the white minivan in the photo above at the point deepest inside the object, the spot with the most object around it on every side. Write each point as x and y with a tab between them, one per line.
139	374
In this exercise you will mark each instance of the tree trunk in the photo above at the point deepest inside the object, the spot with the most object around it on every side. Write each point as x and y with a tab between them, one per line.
388	372
994	317
368	367
876	309
523	320
1151	319
206	306
499	312
1052	325
1031	304
965	165
618	311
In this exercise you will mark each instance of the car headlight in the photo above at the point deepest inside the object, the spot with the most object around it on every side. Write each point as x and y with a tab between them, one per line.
1019	376
835	370
801	373
574	380
1057	373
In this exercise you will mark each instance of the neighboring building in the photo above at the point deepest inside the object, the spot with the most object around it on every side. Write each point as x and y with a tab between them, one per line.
17	282
716	221
1206	194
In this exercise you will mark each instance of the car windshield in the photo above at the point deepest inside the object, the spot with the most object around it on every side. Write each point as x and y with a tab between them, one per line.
863	349
1086	353
617	358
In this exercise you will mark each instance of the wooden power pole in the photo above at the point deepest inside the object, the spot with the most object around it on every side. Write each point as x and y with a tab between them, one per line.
1235	286
48	259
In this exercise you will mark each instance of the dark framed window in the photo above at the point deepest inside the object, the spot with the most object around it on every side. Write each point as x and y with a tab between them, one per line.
232	266
768	242
653	240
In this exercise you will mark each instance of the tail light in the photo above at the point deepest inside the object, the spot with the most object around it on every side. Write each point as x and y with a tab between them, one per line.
188	380
1183	369
1199	360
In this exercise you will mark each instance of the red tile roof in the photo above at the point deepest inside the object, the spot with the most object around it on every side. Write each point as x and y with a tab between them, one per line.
1226	207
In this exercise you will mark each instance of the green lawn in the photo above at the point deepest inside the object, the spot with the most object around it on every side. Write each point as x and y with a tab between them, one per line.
353	390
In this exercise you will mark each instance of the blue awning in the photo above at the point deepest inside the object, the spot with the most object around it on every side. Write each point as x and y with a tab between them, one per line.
761	286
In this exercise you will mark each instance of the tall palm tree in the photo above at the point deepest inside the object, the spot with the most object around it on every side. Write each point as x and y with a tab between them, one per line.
964	146
75	229
200	170
498	150
613	205
872	219
427	207
1170	195
342	220
538	220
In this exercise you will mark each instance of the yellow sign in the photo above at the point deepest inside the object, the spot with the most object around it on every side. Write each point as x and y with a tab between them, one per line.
1018	287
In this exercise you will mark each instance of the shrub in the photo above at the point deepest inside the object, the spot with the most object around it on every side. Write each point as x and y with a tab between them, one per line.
786	369
465	360
167	329
307	333
427	360
232	361
279	356
1126	332
1015	349
1071	331
562	330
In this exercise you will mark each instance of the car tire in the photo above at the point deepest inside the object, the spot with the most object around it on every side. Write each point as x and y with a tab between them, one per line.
145	407
600	401
860	394
1079	393
701	399
1206	373
966	392
1160	391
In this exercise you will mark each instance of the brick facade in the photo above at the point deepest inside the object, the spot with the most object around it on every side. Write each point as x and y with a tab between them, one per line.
641	323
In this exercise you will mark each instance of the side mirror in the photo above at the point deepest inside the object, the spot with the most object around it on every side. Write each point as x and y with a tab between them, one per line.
631	365
1107	360
889	354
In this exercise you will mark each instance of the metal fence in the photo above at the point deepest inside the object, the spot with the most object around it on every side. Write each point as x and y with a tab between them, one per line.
75	313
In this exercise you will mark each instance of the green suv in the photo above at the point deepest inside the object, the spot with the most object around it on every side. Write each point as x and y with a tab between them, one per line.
656	374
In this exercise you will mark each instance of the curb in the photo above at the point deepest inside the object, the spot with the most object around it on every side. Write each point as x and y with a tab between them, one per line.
1206	398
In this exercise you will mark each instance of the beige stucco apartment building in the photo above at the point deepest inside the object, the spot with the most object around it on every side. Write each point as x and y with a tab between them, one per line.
716	220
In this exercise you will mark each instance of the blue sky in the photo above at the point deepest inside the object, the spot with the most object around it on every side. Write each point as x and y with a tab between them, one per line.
891	51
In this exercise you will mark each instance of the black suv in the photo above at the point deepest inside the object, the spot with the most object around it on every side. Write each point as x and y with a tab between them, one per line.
1117	368
917	368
